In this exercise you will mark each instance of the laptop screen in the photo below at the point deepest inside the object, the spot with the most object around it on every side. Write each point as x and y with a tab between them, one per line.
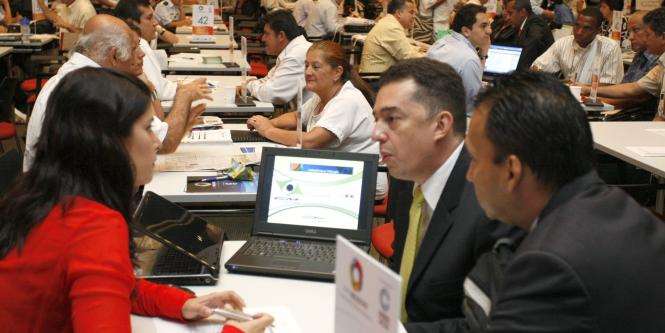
315	192
172	224
502	59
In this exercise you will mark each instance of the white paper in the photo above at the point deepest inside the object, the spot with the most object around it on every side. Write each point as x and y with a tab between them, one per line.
202	161
284	322
648	151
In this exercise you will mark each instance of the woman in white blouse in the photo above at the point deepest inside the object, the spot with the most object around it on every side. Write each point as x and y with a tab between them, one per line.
338	117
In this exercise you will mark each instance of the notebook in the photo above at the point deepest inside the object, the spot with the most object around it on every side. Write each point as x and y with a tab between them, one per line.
176	247
305	198
502	60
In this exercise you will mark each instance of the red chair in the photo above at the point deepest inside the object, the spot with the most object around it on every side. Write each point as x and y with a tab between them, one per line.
382	239
258	69
7	131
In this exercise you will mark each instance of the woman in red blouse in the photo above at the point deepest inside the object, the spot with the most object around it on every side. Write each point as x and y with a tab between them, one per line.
66	249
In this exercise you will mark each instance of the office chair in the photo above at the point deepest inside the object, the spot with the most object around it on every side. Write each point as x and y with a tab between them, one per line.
382	239
7	125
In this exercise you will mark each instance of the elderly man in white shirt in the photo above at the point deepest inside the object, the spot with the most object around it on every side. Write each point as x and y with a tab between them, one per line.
69	15
283	38
575	56
108	42
317	17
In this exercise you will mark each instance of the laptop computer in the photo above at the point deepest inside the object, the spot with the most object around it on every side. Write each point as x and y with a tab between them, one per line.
305	199
176	247
501	60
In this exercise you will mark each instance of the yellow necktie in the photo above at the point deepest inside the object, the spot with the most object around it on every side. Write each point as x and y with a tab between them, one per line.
411	245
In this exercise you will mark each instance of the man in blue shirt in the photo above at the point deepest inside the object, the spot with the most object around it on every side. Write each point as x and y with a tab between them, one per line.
465	48
643	61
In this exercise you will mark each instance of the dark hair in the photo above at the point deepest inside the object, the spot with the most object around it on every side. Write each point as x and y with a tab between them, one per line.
594	13
655	20
613	4
80	152
466	17
439	87
129	10
396	5
535	117
333	55
523	4
282	20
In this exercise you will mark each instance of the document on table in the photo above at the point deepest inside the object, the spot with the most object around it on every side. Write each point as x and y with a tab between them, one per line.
659	131
201	161
648	151
284	322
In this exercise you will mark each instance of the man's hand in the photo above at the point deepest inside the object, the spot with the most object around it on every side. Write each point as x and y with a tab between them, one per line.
194	113
239	88
259	123
195	90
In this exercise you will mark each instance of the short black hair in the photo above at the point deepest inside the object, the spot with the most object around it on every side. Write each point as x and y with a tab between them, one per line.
655	19
466	17
535	117
594	13
396	5
129	9
282	20
439	87
523	4
613	4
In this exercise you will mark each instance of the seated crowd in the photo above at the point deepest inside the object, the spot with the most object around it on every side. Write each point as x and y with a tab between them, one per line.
502	222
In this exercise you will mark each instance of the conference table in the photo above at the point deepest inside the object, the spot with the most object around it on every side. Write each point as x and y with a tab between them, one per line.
629	141
219	42
37	43
192	62
5	51
219	28
219	102
172	184
310	303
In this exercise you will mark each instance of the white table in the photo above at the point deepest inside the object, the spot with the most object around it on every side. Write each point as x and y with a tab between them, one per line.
312	304
172	185
201	67
613	137
220	42
37	42
5	51
219	104
218	29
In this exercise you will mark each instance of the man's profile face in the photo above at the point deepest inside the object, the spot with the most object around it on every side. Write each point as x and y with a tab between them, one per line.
585	30
406	15
655	43
134	64
147	23
480	32
272	40
636	33
514	16
404	130
483	172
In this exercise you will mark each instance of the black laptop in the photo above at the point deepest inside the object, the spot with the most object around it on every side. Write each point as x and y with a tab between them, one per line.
304	199
176	246
501	61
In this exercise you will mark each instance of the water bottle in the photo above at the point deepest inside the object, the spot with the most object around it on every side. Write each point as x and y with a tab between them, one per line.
25	30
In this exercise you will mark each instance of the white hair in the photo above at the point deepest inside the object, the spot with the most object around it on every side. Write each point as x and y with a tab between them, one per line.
98	44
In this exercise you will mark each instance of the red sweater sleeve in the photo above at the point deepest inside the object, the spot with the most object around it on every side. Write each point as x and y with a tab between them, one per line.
99	273
231	329
100	277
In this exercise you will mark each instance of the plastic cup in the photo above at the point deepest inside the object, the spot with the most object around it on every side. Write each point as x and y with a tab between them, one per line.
229	94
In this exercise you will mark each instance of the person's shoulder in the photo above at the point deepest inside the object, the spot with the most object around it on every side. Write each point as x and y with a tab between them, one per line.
608	42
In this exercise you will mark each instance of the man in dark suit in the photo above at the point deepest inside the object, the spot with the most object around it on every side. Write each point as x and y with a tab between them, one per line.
593	260
533	34
420	125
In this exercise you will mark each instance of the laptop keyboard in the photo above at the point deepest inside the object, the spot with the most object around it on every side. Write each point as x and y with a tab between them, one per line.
247	136
294	249
174	262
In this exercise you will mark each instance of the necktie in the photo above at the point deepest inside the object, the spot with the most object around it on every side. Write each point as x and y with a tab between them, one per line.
411	245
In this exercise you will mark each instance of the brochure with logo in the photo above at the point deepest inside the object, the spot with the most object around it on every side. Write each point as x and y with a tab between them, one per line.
367	293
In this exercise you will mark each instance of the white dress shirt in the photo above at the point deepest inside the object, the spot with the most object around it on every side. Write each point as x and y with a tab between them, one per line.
166	12
77	13
349	117
318	17
76	61
280	85
165	88
567	56
433	188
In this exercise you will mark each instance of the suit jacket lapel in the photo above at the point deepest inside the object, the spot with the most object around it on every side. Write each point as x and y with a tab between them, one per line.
441	217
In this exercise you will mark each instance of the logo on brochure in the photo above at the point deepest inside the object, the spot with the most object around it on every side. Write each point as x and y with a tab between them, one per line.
384	299
356	275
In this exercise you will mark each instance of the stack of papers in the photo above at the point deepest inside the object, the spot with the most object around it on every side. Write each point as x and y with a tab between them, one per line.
187	58
209	136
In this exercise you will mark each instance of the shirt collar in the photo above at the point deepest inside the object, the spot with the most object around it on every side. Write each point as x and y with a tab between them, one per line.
577	47
76	61
292	44
462	38
434	185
